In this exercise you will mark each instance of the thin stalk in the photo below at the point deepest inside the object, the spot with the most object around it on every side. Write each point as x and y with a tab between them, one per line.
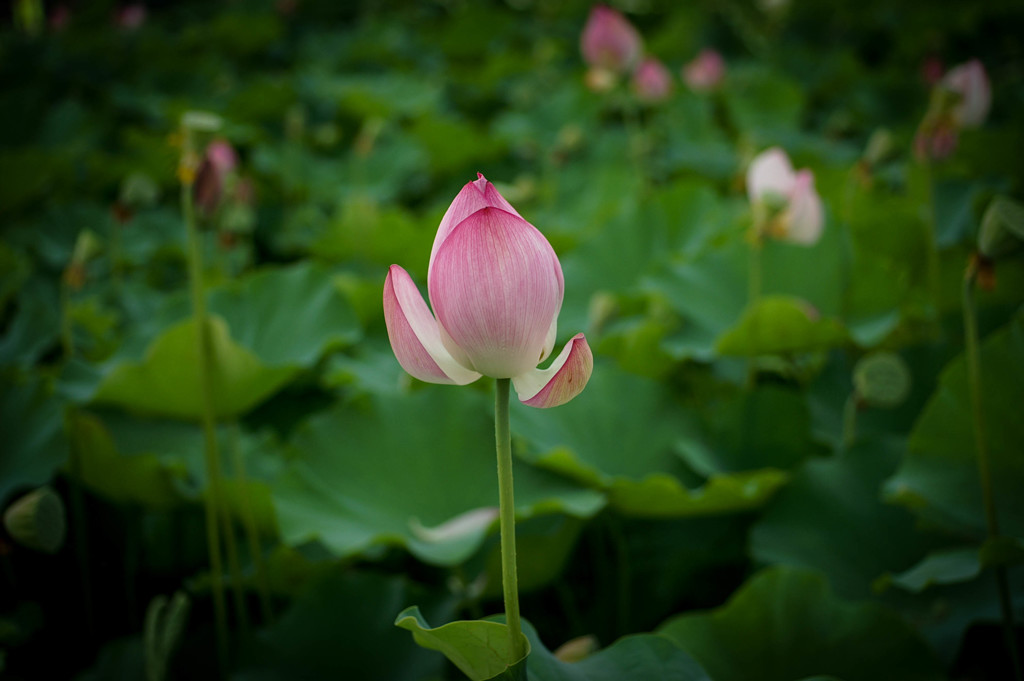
205	345
507	518
251	531
234	564
973	357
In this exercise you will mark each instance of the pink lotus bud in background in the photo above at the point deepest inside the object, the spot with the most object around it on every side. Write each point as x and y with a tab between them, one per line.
130	17
705	72
772	183
222	155
651	81
609	41
970	81
219	160
496	288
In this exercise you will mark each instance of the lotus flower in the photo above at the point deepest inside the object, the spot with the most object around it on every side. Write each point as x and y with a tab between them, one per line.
772	183
609	41
496	288
651	81
705	72
970	81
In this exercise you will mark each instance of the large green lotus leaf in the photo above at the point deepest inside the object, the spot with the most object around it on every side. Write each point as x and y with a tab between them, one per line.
35	325
455	144
763	103
710	289
622	435
144	479
890	249
366	231
264	327
780	325
416	470
286	316
949	566
741	432
828	518
380	95
167	380
342	626
938	478
543	546
684	215
696	142
786	624
32	423
481	649
640	656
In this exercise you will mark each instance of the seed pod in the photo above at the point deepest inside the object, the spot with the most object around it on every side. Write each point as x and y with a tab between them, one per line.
882	379
37	520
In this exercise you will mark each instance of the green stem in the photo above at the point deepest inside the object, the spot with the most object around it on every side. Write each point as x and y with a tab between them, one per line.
252	532
973	357
205	359
507	517
234	564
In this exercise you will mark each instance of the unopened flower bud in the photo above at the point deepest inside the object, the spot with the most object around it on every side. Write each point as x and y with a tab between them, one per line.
1002	228
37	521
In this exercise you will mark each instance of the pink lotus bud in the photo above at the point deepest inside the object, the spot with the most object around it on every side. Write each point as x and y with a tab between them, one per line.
496	288
651	81
218	161
609	41
705	72
771	181
222	155
970	81
131	17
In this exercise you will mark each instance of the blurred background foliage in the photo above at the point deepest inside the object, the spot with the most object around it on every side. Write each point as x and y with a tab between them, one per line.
746	500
